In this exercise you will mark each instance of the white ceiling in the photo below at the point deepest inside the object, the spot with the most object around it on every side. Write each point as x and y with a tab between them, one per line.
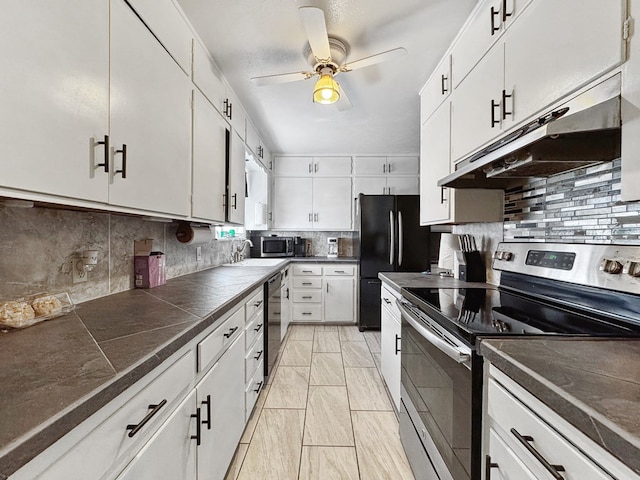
250	38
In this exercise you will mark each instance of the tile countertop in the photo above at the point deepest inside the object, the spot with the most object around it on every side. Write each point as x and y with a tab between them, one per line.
45	391
398	280
594	384
323	259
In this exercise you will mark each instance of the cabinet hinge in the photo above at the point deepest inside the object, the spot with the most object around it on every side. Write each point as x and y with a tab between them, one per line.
626	29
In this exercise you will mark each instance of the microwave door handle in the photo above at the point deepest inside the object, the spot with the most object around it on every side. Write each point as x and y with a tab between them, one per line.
400	238
392	245
457	355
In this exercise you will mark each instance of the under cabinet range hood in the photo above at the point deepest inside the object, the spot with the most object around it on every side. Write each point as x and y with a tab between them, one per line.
583	131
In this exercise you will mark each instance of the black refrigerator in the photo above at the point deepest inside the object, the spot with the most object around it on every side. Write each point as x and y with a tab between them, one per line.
389	239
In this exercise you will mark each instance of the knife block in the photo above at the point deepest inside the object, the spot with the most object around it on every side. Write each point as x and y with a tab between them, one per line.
471	267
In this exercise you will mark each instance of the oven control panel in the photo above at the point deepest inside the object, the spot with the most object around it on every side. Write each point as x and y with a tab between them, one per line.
550	259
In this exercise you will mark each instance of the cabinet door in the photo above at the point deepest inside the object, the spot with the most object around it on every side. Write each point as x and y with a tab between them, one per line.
171	452
253	139
339	299
55	97
403	185
285	318
369	186
403	165
207	77
209	145
293	166
434	165
476	108
221	392
332	166
293	203
236	114
237	185
390	351
151	115
507	464
370	165
556	47
332	203
436	90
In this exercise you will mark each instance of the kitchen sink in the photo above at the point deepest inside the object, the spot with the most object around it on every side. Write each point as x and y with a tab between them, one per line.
257	262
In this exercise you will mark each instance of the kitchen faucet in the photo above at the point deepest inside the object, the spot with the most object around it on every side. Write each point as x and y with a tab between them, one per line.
239	255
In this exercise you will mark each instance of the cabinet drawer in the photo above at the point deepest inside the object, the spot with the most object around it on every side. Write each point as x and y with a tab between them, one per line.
253	358
340	270
214	344
253	390
254	304
509	415
388	300
507	464
299	282
310	296
306	312
306	270
254	329
109	444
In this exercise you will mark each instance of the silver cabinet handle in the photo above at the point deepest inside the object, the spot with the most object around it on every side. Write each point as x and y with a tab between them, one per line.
315	167
315	217
384	168
392	245
310	168
400	238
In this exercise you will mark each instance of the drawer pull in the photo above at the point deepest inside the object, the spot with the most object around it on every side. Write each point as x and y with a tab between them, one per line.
207	402
552	469
307	297
387	301
257	357
230	332
307	271
397	342
198	436
307	283
154	409
340	271
257	304
306	313
259	387
257	329
488	466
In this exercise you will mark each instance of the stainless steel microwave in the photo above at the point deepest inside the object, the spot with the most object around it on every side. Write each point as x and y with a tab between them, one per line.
272	246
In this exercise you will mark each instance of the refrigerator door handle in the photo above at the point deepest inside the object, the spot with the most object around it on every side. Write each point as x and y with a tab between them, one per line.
400	238
392	246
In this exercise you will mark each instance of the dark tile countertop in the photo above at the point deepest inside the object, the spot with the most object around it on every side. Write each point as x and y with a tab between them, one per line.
398	280
594	384
57	373
324	259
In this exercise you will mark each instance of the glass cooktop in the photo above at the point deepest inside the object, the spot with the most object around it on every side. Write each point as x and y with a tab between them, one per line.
469	312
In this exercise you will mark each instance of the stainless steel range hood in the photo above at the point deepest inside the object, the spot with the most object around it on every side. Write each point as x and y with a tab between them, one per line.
583	131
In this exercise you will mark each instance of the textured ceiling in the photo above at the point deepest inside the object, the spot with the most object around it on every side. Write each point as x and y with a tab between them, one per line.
250	38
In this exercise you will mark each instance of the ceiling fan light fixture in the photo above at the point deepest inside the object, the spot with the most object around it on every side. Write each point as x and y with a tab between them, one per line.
326	90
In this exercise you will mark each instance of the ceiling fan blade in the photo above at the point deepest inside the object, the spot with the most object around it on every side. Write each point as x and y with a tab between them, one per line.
373	59
316	28
281	78
344	103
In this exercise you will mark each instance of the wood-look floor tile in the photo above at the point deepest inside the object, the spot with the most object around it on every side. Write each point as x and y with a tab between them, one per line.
253	419
326	342
350	334
326	369
373	339
301	332
356	354
236	463
328	420
274	451
297	353
289	388
328	463
380	453
326	328
366	390
377	359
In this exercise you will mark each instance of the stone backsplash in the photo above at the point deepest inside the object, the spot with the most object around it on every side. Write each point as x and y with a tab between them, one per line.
318	240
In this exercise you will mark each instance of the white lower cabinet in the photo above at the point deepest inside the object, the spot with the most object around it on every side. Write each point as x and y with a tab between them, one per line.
524	439
390	336
220	395
323	293
171	452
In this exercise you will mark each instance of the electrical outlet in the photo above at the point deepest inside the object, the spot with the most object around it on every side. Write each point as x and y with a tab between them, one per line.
198	254
79	273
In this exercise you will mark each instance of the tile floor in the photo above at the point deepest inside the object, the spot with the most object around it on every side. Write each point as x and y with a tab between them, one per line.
325	415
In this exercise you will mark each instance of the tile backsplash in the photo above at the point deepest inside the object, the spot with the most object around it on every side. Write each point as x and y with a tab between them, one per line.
318	239
38	245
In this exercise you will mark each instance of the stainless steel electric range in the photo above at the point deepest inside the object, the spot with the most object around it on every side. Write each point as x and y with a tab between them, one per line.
545	289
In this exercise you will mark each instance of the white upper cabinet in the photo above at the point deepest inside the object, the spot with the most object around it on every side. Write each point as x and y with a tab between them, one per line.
207	77
293	202
237	184
209	146
307	166
55	100
151	115
168	25
399	165
331	203
436	90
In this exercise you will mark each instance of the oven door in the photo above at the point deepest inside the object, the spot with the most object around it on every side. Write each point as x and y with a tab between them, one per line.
437	384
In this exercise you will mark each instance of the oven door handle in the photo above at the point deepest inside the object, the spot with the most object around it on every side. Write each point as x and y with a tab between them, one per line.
458	355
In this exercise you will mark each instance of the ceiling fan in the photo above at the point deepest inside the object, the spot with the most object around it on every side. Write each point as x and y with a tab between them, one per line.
327	56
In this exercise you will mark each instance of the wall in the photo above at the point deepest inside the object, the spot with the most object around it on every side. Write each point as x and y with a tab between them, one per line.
37	246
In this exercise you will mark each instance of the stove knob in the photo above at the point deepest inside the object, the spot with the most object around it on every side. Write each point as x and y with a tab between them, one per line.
507	256
632	268
502	255
610	266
